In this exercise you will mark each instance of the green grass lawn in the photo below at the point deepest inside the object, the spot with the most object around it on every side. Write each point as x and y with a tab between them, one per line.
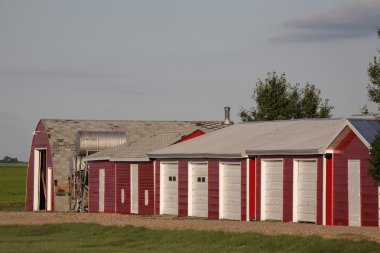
97	238
12	186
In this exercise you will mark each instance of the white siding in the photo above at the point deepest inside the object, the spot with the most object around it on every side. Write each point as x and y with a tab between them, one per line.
271	191
134	189
170	188
198	190
354	193
305	184
231	191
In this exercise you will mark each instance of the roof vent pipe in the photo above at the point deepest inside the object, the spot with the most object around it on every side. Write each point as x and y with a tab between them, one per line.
227	120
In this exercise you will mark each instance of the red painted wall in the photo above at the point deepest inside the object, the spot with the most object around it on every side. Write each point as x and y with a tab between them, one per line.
157	189
252	188
40	140
123	181
243	190
109	186
352	148
258	188
213	189
287	190
146	179
182	188
329	190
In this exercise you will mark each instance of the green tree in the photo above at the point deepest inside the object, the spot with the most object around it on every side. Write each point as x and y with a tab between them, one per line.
276	99
374	95
374	77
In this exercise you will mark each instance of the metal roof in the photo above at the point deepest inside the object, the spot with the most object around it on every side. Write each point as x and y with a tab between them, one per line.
310	136
138	151
62	134
365	129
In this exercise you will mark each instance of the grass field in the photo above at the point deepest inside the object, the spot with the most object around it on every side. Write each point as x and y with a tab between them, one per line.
96	238
12	186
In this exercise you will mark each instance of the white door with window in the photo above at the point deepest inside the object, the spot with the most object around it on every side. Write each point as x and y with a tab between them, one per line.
169	186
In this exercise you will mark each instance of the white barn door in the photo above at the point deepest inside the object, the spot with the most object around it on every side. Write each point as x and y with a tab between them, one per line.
354	193
49	189
305	191
230	192
271	190
169	186
134	189
101	189
198	190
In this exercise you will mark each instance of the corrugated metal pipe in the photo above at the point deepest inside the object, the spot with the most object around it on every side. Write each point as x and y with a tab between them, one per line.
227	120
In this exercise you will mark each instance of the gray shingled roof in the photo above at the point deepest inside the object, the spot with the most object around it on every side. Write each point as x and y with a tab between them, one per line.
262	138
138	151
62	134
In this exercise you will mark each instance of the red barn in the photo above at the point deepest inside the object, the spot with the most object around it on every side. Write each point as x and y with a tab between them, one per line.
56	172
121	179
298	170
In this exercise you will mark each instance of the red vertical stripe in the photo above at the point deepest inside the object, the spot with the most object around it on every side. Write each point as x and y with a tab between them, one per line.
287	206
157	188
145	183
258	188
182	188
329	185
243	190
213	189
252	188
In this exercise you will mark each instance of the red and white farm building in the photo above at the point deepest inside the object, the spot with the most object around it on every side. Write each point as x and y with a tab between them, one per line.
291	171
298	170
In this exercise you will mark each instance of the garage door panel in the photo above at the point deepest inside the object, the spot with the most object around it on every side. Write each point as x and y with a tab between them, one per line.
306	209
307	178
231	170
274	193
232	216
269	186
170	197
306	191
232	208
273	201
232	179
199	190
231	191
272	190
273	215
307	185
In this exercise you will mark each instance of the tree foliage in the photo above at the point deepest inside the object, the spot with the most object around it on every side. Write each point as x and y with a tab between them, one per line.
8	159
276	99
374	77
374	95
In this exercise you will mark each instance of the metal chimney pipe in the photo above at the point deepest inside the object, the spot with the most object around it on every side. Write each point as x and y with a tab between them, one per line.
227	120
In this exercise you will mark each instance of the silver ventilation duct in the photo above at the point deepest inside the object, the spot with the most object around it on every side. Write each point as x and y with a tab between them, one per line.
227	120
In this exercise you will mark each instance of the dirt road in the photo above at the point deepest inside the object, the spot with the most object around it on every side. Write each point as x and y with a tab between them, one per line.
168	222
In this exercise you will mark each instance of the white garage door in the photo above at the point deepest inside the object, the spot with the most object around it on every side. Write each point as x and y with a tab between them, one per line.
271	192
170	188
231	191
307	191
199	190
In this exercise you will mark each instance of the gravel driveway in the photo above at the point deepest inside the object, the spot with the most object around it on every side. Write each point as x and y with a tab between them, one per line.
170	222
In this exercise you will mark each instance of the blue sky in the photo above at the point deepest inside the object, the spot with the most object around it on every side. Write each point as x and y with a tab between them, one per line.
173	60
